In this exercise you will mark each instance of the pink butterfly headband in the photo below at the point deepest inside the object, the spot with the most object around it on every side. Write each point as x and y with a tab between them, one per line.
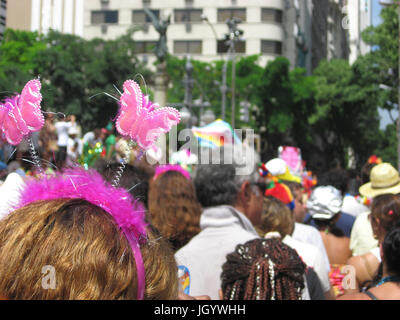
170	167
89	185
21	115
142	120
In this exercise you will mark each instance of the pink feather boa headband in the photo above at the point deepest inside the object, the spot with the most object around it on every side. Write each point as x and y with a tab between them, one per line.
89	185
171	167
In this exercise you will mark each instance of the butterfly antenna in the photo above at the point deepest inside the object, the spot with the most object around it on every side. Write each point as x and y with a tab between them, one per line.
9	158
58	114
107	94
143	80
117	89
7	92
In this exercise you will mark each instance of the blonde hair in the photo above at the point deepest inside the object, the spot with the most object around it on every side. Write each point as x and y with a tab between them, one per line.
91	257
276	216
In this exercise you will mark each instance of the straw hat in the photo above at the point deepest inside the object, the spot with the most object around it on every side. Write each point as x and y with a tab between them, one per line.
383	179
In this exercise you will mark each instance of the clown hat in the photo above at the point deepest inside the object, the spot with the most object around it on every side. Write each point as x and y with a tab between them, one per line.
278	168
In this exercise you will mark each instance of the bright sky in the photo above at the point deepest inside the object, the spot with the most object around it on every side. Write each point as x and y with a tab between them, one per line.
376	9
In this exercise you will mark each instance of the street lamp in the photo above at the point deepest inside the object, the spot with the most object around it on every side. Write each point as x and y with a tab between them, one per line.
245	111
190	117
208	116
222	85
185	115
231	38
389	3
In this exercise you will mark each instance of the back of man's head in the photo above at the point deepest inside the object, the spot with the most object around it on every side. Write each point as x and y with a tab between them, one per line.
219	180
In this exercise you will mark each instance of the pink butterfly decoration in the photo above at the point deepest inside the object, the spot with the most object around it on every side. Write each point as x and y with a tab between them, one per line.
21	115
141	119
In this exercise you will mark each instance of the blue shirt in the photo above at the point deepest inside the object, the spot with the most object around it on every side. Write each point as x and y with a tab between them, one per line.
345	223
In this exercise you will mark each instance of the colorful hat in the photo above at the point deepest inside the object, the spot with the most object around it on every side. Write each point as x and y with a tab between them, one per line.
278	168
281	192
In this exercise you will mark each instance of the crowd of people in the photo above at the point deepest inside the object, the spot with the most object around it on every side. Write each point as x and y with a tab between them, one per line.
163	232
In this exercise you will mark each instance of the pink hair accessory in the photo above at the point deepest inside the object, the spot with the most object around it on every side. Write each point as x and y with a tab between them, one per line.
390	212
139	118
170	167
21	115
89	185
142	121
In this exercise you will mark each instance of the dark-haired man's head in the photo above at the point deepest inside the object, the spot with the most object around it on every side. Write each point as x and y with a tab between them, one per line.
134	179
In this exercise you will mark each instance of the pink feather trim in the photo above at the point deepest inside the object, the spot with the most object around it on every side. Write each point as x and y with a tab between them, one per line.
171	167
89	185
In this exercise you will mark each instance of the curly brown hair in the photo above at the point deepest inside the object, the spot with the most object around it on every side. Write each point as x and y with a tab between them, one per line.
173	207
91	257
263	269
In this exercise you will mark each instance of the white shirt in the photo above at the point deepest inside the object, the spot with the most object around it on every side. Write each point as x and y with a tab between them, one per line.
62	133
362	237
10	192
223	228
311	235
352	207
74	148
312	257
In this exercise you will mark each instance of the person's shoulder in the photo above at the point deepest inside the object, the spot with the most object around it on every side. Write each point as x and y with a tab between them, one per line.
354	296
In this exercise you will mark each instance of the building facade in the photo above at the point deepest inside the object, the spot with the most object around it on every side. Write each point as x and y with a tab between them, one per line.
359	17
41	15
329	39
197	27
3	15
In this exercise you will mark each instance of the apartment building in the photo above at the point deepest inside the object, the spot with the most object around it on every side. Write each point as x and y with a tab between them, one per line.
42	15
197	27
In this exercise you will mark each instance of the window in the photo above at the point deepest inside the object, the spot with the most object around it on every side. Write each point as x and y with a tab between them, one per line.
271	15
188	15
4	4
187	47
225	14
142	47
271	47
105	16
140	17
222	47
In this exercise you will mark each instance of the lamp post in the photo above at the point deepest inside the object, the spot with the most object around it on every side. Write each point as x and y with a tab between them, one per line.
389	3
222	86
189	104
231	38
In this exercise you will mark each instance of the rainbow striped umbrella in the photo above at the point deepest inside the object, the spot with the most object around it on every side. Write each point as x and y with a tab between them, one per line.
215	134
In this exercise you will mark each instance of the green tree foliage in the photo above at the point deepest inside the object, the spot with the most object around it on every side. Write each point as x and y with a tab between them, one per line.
286	102
346	111
384	66
19	48
207	79
74	72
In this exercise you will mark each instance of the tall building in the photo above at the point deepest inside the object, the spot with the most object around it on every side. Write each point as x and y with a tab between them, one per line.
329	38
263	25
41	15
359	17
3	14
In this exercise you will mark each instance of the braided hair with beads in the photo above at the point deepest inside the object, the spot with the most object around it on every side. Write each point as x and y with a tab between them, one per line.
263	269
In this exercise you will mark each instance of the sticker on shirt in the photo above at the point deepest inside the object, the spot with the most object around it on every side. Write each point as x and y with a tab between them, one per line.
184	279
